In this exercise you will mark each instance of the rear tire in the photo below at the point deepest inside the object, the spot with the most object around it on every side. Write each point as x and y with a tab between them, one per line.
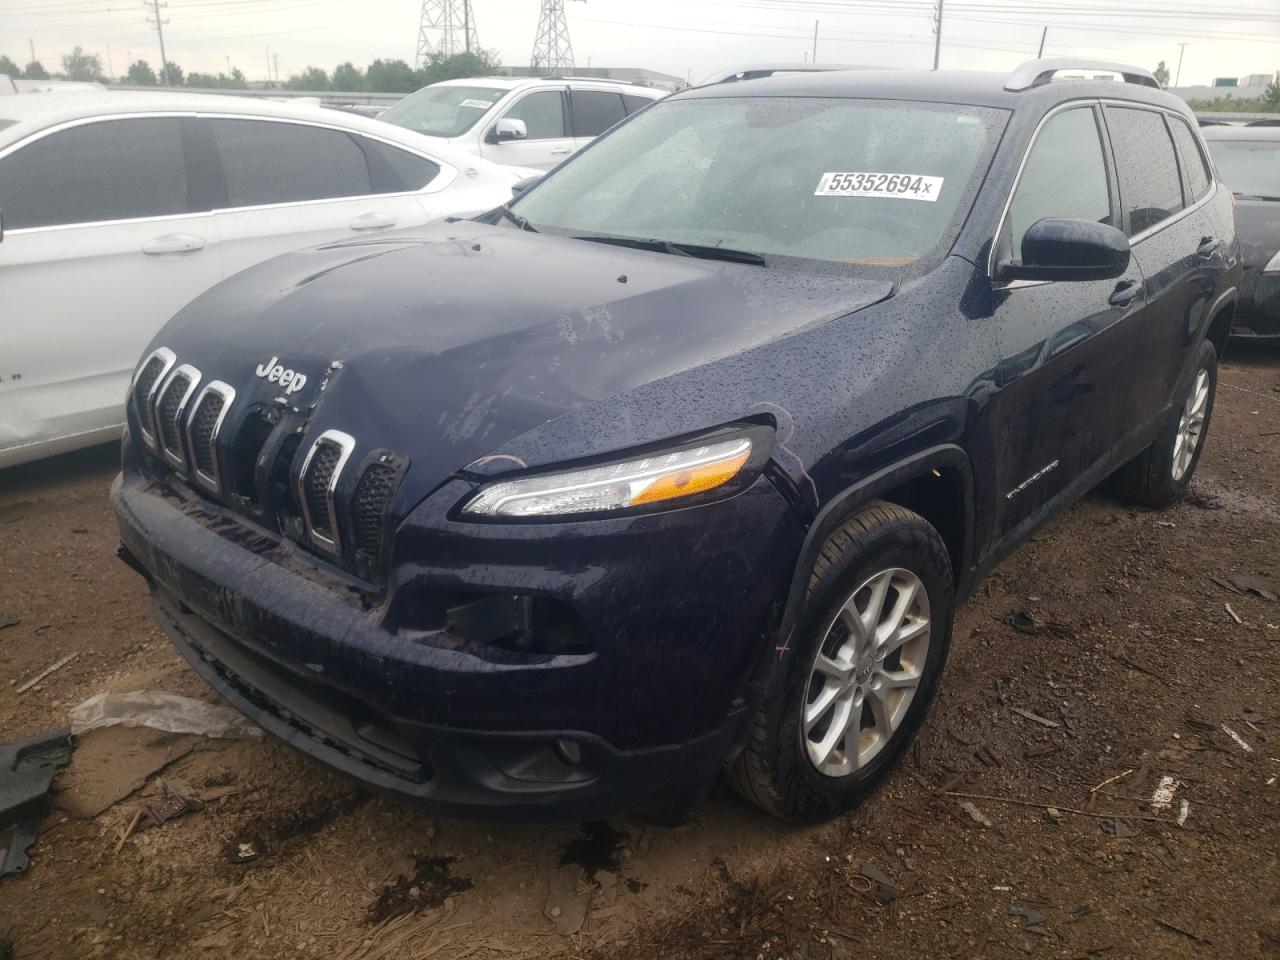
861	669
1160	474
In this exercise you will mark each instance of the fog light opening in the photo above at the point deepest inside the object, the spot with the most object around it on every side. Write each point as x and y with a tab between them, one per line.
569	752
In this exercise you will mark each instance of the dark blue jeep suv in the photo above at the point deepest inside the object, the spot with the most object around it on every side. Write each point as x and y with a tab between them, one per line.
678	464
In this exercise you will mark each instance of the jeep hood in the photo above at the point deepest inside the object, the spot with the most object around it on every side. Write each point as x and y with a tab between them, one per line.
444	343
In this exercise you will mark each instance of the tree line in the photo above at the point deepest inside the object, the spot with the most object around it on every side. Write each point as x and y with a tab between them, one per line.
381	76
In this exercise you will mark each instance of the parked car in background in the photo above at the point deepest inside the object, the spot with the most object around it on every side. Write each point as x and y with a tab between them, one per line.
1248	162
528	122
117	209
28	85
705	435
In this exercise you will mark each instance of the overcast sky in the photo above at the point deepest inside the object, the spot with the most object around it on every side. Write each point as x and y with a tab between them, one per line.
681	37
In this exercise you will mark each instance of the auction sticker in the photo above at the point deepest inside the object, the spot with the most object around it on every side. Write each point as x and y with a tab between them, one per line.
478	104
894	186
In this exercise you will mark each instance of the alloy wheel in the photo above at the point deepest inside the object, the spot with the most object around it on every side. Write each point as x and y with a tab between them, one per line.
866	672
1191	426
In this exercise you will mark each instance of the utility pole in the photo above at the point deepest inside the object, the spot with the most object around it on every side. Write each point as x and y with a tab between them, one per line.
275	58
552	49
159	25
937	35
111	73
33	50
268	65
1182	48
815	41
228	64
1043	33
447	28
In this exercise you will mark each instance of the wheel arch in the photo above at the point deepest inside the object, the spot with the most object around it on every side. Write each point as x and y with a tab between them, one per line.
1221	314
936	482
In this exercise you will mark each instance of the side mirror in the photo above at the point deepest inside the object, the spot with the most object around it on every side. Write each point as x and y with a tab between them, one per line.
1069	250
520	186
508	129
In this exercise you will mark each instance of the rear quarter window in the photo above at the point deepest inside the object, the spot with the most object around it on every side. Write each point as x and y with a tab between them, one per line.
1150	181
1195	170
267	162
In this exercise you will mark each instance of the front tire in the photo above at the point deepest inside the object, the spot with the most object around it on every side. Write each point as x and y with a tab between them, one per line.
1160	474
862	668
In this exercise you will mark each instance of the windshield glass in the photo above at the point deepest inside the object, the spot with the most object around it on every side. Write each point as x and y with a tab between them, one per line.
442	111
1248	167
879	184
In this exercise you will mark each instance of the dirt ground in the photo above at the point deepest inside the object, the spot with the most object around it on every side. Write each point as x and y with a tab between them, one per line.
1146	662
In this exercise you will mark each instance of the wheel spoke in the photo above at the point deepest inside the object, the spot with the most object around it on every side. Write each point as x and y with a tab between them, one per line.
852	745
831	668
877	701
813	712
909	631
890	624
875	605
835	733
851	650
899	680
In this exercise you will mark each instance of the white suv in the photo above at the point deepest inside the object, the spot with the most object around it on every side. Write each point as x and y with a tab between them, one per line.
519	121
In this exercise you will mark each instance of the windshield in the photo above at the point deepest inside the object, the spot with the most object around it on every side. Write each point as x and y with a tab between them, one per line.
879	184
1248	167
443	111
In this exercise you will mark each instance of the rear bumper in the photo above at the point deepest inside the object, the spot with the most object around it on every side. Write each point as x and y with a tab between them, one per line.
1258	314
309	658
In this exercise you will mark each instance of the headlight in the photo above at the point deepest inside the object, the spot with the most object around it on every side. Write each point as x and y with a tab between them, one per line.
616	486
1273	265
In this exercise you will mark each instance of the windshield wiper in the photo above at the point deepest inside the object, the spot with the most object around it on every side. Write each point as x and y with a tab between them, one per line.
678	249
515	218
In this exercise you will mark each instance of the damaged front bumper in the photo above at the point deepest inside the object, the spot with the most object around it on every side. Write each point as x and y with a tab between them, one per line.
641	716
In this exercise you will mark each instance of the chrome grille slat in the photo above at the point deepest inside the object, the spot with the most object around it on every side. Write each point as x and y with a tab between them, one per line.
170	407
146	381
317	484
208	413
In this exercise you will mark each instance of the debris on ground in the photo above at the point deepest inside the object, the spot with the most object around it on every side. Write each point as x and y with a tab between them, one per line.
7	621
47	672
1162	798
976	815
1023	622
1240	741
429	885
175	798
1183	811
1036	718
1118	829
161	711
566	905
1234	616
26	773
885	891
1251	583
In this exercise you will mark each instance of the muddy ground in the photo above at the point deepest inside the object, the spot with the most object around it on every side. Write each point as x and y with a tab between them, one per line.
1146	663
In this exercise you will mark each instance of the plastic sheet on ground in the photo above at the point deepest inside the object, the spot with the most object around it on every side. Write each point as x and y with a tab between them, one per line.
161	711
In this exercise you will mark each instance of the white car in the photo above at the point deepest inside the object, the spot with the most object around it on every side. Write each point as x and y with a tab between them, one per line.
521	121
117	209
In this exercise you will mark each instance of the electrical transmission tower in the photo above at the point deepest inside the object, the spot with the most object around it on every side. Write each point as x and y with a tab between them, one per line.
552	50
446	27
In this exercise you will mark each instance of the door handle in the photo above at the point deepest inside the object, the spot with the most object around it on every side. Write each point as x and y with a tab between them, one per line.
1207	247
1125	293
172	243
561	151
373	221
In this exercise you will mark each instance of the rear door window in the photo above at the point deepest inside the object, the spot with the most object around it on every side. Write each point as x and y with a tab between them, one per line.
1065	176
542	113
268	161
108	170
1195	171
595	111
1150	182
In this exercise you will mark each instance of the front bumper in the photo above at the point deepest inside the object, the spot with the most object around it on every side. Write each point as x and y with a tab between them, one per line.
317	660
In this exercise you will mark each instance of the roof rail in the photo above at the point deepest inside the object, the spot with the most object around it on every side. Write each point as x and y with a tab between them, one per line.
1036	73
625	83
756	71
